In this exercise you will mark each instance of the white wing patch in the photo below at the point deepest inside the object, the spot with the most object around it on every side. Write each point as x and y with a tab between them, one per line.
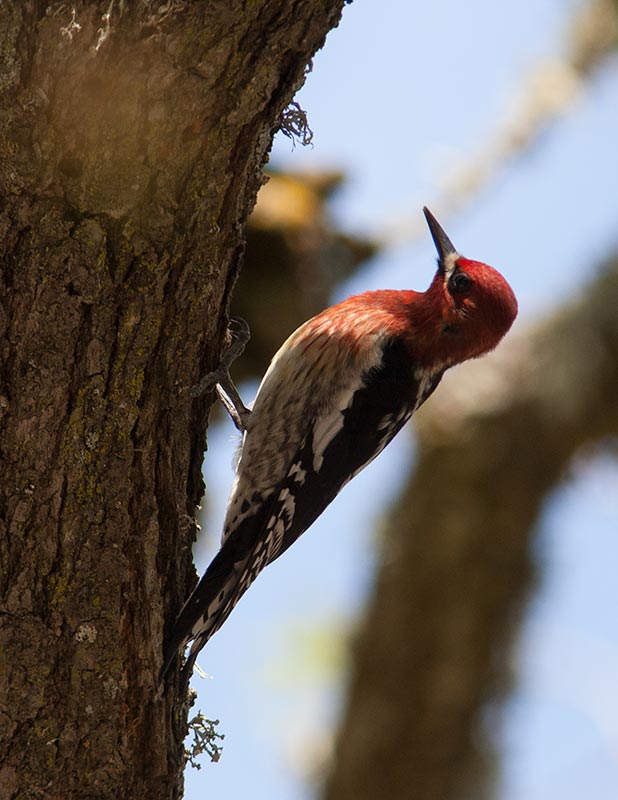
329	425
324	431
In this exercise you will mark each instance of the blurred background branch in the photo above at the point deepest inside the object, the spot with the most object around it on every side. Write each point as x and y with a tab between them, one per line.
294	259
547	95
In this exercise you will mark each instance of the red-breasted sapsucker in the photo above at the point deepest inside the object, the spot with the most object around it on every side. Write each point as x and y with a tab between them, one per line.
339	389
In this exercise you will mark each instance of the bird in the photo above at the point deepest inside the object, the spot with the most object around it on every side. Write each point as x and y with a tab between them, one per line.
335	394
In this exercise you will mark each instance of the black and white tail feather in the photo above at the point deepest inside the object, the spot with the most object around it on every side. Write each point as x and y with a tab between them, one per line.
335	444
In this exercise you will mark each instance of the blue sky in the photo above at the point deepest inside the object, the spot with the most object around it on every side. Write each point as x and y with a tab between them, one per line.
400	92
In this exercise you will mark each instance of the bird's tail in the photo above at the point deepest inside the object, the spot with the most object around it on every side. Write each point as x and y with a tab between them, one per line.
210	604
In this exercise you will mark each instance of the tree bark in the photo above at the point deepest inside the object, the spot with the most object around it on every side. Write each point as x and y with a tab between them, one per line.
456	562
132	137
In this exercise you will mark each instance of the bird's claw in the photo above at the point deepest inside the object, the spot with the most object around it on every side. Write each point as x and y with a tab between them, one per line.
238	335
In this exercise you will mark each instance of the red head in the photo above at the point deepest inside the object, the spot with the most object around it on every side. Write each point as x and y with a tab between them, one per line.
469	303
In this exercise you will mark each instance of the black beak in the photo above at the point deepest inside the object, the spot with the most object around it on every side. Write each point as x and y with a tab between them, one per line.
443	244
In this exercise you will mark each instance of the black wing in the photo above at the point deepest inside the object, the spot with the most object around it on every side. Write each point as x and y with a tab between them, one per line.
376	413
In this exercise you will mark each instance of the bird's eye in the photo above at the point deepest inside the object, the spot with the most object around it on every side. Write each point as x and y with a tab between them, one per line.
460	282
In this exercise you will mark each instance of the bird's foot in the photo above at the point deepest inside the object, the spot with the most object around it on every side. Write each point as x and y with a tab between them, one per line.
239	334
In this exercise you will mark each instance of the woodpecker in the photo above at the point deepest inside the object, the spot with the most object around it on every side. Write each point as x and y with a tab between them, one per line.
335	394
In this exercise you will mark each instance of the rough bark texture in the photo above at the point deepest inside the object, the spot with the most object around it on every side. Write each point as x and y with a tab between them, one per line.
131	140
457	557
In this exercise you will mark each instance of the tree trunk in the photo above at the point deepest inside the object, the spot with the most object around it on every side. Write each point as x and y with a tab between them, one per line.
131	138
457	561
